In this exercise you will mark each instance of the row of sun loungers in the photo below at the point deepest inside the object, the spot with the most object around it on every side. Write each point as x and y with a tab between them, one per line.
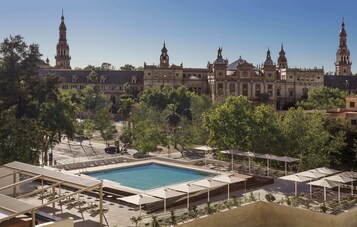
88	164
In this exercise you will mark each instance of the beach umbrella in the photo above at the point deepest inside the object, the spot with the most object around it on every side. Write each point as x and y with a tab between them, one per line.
187	188
206	149
139	200
296	179
268	157
350	174
312	175
326	170
339	179
231	152
164	194
229	180
248	154
325	184
208	183
287	160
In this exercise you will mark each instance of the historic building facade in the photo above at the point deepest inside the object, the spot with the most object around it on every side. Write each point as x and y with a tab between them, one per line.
195	79
272	83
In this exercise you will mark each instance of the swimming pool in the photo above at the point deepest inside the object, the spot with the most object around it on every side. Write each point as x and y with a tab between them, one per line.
149	176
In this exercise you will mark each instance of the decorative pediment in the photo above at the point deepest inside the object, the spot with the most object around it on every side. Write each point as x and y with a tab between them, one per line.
75	78
92	77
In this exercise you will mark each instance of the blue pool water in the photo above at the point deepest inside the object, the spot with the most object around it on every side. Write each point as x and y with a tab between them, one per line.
150	176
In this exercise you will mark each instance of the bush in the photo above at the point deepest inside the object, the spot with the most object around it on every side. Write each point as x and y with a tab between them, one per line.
252	198
154	222
193	212
210	209
173	220
270	197
323	208
288	201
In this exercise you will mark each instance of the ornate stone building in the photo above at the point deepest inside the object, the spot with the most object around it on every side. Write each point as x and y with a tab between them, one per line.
274	84
195	79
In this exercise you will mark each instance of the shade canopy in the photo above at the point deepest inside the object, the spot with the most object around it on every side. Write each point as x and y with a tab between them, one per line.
188	188
311	174
249	154
228	179
268	156
324	183
204	148
209	183
231	152
287	159
339	178
164	193
10	206
295	178
350	174
326	170
139	199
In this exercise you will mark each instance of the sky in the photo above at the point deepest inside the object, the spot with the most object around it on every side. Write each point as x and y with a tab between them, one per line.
132	31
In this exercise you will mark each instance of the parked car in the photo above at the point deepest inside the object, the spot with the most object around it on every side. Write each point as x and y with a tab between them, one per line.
111	150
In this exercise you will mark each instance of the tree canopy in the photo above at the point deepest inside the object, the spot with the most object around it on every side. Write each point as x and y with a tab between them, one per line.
323	98
33	112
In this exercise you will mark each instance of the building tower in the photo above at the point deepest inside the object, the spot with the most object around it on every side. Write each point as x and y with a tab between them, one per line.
282	61
343	63
164	58
63	60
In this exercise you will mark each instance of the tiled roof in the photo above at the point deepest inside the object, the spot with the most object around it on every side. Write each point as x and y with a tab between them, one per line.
341	82
112	76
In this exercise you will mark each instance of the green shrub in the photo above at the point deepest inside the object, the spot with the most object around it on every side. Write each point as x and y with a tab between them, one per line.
323	208
173	219
270	197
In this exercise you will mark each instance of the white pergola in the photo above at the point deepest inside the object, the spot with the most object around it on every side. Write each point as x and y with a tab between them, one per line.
230	180
232	152
187	188
164	194
139	200
205	149
209	184
313	175
11	207
296	179
340	179
325	184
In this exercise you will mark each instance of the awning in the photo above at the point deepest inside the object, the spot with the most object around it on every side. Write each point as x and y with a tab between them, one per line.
10	206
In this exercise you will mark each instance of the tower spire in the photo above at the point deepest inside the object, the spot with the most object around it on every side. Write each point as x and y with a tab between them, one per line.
62	57
343	63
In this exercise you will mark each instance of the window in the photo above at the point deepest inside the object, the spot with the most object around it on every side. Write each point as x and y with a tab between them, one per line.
245	89
220	74
291	93
278	92
270	89
352	104
220	89
353	122
149	74
65	86
318	77
81	87
269	75
177	74
232	88
257	90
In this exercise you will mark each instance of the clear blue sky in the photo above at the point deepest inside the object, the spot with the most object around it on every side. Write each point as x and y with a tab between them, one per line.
132	31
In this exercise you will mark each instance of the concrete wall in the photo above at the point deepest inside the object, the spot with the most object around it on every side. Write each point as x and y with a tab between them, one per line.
264	214
63	223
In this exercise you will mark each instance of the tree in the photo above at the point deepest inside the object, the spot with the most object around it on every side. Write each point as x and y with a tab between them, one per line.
307	139
229	124
265	130
58	117
29	105
323	98
127	67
